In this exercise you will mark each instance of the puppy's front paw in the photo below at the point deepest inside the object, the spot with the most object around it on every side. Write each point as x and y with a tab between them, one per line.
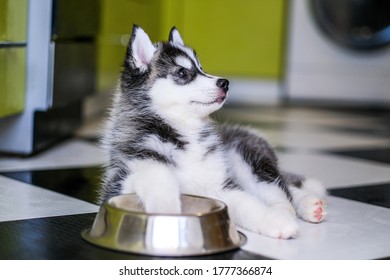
170	205
279	224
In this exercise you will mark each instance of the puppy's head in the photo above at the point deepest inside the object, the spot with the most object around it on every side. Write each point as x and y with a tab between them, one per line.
172	77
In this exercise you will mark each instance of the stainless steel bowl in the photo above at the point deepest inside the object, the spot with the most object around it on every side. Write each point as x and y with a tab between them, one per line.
202	228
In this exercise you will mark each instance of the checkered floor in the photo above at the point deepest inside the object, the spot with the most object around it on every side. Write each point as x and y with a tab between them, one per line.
47	199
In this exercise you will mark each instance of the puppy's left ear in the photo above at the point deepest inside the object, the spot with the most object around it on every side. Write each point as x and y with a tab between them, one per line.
174	36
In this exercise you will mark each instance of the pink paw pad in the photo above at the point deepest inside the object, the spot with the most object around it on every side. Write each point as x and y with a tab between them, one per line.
318	212
312	209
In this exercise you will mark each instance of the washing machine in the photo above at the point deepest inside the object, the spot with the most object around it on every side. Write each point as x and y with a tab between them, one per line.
339	51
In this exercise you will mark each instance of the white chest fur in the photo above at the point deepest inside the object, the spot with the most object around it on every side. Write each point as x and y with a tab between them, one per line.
199	167
199	170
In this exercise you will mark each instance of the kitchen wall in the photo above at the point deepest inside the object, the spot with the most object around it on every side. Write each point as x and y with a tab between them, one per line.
242	40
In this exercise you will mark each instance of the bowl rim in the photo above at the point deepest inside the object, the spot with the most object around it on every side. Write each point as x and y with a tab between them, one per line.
222	207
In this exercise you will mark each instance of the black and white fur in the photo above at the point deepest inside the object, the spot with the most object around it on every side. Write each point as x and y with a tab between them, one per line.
161	143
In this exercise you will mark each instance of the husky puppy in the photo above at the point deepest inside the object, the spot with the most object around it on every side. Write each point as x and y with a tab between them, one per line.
161	142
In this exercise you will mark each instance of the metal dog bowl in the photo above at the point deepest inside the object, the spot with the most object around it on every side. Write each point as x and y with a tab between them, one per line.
202	228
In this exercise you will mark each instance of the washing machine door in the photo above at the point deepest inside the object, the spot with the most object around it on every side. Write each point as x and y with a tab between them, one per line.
354	24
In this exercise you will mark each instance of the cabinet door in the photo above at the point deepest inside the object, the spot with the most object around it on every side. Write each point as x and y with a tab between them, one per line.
12	80
13	36
13	20
236	38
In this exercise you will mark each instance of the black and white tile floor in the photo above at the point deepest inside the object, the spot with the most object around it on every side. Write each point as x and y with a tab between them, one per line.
47	199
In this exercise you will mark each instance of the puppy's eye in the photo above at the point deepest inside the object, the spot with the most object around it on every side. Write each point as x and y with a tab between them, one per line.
182	73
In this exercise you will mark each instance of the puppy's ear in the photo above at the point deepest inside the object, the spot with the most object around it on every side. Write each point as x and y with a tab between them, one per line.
174	36
140	50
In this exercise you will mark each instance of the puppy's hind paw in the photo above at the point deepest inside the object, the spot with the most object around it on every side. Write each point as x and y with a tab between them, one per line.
312	209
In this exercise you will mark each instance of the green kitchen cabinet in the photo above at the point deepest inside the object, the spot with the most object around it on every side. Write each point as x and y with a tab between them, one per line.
232	38
13	37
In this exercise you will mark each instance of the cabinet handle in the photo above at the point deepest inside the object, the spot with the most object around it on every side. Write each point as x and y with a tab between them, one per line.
12	44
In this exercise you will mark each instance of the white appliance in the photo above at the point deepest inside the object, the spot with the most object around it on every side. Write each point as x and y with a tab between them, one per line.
339	51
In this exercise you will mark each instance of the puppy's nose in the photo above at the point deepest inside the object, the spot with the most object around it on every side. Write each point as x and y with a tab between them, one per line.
223	84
